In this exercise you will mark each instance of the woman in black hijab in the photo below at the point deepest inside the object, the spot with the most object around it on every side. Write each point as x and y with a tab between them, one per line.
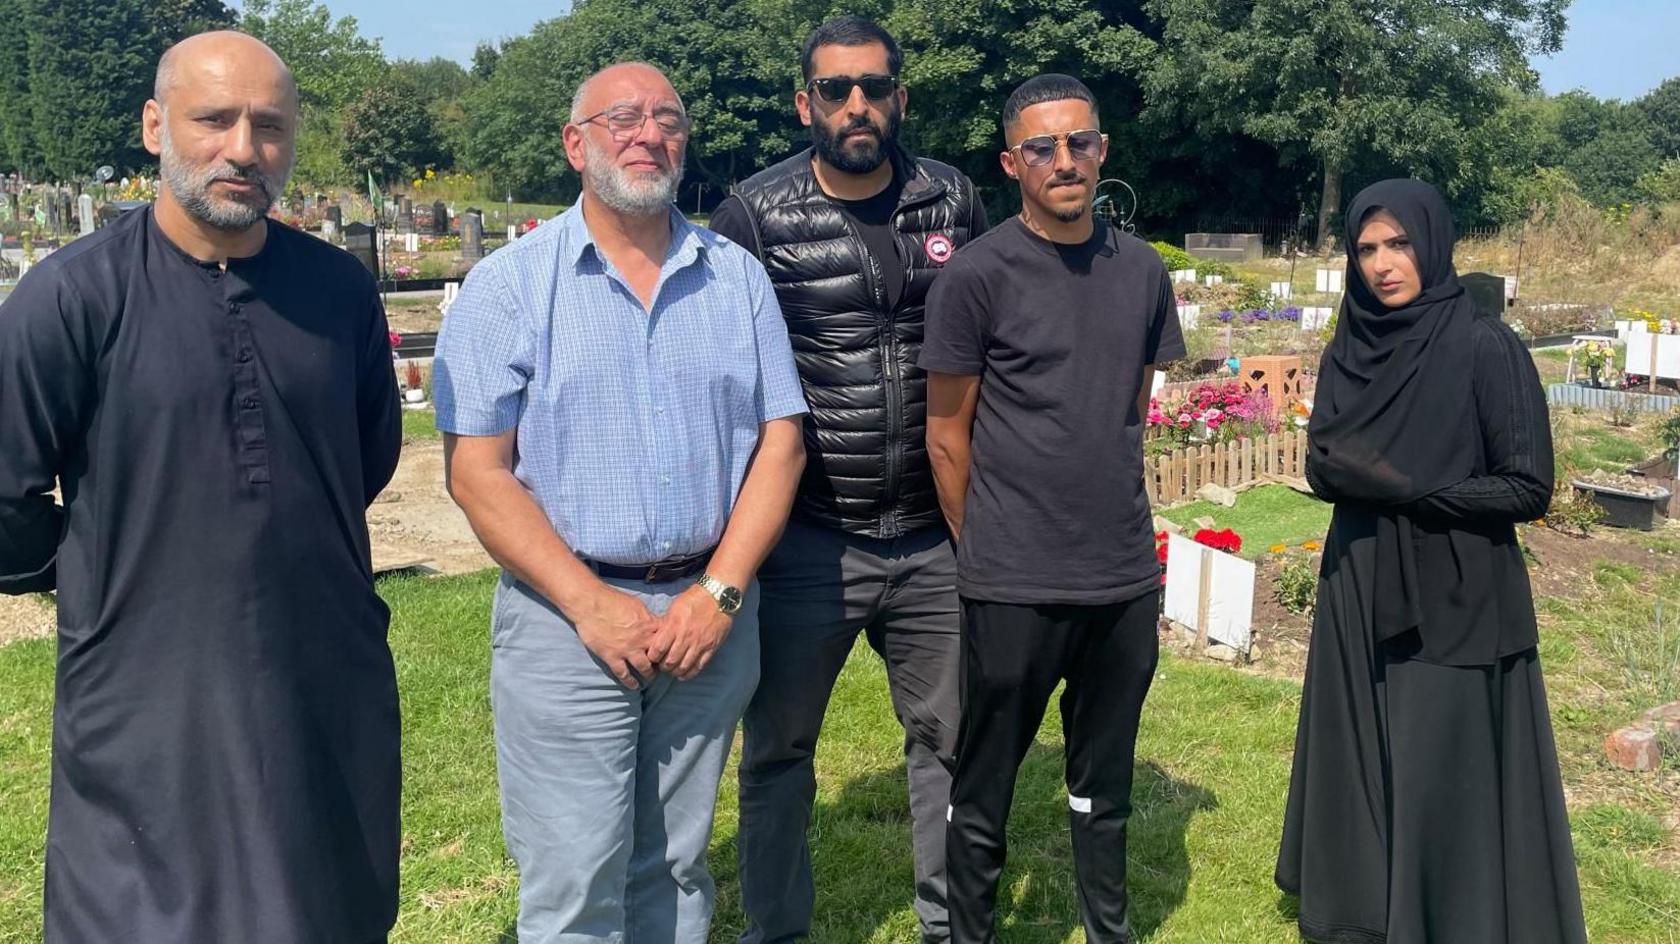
1425	806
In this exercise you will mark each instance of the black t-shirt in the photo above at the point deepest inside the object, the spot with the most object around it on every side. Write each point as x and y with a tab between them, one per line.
1059	336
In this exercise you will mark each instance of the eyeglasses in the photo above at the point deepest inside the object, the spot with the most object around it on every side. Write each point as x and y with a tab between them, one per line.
836	89
625	122
1083	145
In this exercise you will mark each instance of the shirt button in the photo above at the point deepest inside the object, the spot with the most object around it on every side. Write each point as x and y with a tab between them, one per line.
249	403
244	354
665	479
659	410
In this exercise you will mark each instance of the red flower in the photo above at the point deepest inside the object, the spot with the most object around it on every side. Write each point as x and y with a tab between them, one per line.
395	338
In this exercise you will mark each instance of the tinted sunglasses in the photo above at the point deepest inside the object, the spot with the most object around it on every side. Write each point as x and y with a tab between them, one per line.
836	89
1083	145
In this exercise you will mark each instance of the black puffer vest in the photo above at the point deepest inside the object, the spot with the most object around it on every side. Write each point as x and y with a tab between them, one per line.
866	466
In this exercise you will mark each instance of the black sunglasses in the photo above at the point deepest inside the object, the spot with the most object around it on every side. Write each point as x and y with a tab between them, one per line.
836	89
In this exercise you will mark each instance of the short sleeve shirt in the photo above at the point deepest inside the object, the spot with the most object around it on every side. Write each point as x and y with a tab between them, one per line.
1059	336
634	426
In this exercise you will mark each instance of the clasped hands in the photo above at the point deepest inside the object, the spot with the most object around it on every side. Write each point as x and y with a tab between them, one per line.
636	645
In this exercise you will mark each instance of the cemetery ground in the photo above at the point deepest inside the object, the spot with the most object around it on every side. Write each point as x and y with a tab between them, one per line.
1213	755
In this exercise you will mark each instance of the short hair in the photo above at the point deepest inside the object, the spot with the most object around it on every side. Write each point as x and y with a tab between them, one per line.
582	91
1047	87
849	31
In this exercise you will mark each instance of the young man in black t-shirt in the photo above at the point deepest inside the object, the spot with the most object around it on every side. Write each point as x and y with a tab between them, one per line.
1042	338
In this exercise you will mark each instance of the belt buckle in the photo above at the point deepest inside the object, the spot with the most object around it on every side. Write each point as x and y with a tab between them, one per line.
660	571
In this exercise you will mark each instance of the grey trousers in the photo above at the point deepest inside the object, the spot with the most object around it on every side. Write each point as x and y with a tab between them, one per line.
608	794
820	588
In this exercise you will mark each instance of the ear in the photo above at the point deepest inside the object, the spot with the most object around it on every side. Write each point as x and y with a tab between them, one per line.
151	126
1102	157
572	135
802	103
1006	159
903	98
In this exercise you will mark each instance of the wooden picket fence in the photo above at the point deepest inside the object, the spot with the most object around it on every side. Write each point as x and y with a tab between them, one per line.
1175	476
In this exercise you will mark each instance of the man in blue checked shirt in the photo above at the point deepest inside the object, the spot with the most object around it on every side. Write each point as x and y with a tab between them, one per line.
622	428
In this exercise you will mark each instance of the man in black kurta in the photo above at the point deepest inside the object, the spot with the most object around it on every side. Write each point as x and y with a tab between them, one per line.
225	734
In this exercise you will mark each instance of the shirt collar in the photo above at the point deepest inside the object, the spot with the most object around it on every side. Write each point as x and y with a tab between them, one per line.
686	244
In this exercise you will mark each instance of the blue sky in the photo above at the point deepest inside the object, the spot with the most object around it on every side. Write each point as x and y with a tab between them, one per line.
1614	48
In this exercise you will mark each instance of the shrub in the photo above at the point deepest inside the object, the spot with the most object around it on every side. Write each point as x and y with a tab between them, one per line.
1572	512
1297	585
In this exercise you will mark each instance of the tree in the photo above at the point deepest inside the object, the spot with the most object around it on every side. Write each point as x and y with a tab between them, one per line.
485	57
1605	145
388	132
17	146
1661	107
1349	83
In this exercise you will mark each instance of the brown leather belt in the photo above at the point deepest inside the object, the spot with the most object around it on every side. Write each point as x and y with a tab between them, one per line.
658	572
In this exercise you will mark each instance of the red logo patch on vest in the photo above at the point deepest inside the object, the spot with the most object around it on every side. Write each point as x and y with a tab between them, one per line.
939	248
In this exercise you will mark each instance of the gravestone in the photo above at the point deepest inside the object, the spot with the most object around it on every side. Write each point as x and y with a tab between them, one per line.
1329	281
358	241
52	213
84	212
472	234
329	232
12	201
1486	291
440	219
64	209
308	202
406	207
335	216
1225	247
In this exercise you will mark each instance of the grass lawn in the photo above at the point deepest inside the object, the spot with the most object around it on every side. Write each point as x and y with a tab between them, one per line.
419	425
1213	764
1263	517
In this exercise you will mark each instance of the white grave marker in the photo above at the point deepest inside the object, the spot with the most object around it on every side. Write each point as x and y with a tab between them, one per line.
1189	315
1214	280
513	232
1183	275
1315	318
1282	290
1510	289
1653	355
411	242
1210	591
1328	280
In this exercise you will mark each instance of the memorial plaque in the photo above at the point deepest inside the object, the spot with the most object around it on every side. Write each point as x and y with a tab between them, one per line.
359	242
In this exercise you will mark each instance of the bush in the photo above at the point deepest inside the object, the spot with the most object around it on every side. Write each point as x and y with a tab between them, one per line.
1297	585
1572	512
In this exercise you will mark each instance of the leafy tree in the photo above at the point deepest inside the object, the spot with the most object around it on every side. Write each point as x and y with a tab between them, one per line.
1661	107
433	79
1604	145
388	132
485	57
17	146
1349	83
1663	184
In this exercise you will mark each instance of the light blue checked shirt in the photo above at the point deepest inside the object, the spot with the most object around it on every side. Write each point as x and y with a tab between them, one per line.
633	429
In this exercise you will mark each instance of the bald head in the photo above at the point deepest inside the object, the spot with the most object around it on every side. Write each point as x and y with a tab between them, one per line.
217	56
622	81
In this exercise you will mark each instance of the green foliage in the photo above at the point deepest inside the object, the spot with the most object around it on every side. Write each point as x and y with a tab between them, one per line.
1174	258
1661	185
318	160
1661	108
330	59
389	132
1297	584
1573	512
1604	145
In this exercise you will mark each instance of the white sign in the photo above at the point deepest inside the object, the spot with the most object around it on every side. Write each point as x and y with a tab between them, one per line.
1328	280
1214	280
1183	275
1282	290
1640	347
1314	319
411	242
1189	315
1205	584
1510	288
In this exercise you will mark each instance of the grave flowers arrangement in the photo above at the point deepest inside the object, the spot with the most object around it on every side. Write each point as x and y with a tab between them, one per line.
1211	412
1251	315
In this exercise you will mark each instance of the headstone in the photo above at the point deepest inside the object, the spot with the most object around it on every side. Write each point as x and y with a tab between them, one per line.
1225	247
472	234
411	242
12	201
358	241
1189	316
405	217
329	232
1486	291
1329	281
513	232
308	202
52	213
1212	280
1510	289
1315	318
335	216
84	212
64	209
1183	275
406	207
440	219
1282	290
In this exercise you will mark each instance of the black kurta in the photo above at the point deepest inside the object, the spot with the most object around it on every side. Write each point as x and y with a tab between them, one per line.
225	733
1425	805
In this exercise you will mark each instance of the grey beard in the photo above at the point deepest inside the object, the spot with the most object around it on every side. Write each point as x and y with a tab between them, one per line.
619	193
191	189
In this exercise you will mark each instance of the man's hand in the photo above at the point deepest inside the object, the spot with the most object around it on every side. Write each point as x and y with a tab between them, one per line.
619	630
689	633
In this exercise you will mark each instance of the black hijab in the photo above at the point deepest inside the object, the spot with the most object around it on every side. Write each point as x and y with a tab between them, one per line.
1393	418
1387	425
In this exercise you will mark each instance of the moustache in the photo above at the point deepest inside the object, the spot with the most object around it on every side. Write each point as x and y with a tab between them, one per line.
1060	180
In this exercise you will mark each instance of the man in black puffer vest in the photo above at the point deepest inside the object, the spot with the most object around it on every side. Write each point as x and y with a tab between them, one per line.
853	233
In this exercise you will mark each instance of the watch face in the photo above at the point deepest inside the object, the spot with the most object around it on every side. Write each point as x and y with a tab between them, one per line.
729	600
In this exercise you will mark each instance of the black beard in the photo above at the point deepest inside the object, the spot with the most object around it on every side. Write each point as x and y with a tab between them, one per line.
1072	215
831	148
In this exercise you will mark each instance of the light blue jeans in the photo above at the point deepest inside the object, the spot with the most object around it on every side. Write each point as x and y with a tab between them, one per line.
608	794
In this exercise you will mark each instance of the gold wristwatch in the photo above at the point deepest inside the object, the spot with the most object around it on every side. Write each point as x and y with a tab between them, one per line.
728	598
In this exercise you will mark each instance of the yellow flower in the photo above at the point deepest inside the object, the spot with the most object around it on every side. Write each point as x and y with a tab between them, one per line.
430	173
1312	545
417	183
1279	548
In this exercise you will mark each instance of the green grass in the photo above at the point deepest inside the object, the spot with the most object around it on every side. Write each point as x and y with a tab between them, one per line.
419	425
1213	753
1264	516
